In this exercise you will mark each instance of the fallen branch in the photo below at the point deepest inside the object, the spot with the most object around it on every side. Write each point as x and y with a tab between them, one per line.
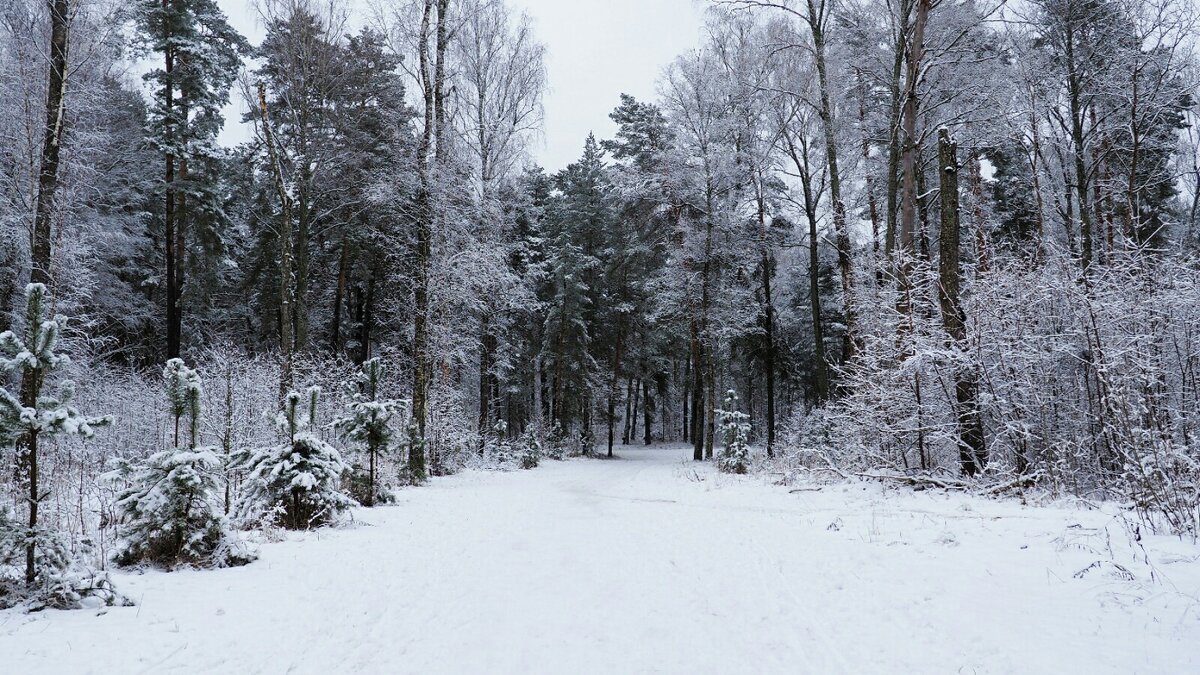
917	480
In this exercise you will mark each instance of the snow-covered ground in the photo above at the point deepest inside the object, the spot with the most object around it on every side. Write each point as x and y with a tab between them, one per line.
651	564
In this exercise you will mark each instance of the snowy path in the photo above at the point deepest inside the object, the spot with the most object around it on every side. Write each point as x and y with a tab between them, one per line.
649	564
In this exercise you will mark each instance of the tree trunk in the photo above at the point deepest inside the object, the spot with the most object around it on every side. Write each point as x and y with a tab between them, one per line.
537	392
285	250
894	142
56	111
814	295
800	160
975	176
768	269
1034	168
431	139
710	411
687	393
911	142
612	387
371	451
628	412
40	270
635	390
35	498
485	389
367	323
180	244
303	226
865	145
1077	110
648	412
335	328
174	331
816	21
972	453
697	428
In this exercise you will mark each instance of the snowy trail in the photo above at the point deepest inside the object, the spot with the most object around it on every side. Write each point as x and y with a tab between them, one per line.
651	564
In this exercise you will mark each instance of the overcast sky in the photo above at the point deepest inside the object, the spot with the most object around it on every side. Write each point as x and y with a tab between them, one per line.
597	50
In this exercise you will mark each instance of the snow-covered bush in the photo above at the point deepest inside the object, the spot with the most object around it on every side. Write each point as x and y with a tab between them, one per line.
734	427
1164	485
1084	385
296	483
63	581
368	421
582	443
170	512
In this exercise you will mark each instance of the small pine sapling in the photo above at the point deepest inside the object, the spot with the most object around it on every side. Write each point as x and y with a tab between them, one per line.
556	442
368	421
735	427
586	441
172	510
531	449
26	421
295	484
497	448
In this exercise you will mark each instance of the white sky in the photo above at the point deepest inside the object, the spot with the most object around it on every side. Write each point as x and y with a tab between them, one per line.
597	49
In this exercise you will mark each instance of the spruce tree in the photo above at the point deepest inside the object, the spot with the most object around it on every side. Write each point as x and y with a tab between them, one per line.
580	219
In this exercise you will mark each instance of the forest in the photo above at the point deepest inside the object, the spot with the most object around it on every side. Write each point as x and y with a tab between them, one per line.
944	244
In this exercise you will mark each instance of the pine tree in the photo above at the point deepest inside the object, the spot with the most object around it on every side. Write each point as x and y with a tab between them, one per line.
28	420
531	449
368	421
295	484
201	55
172	509
735	426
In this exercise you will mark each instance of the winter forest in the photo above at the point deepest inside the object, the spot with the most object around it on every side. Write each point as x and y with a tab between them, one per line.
900	295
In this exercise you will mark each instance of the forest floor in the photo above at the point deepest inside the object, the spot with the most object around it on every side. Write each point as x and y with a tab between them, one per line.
649	563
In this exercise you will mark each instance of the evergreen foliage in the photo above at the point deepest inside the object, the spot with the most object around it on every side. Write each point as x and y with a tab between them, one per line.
531	449
734	428
29	420
297	483
368	421
171	510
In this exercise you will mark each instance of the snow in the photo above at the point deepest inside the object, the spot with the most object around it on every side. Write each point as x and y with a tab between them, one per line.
650	563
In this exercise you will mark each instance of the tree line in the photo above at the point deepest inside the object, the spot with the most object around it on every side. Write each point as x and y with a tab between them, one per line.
918	236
